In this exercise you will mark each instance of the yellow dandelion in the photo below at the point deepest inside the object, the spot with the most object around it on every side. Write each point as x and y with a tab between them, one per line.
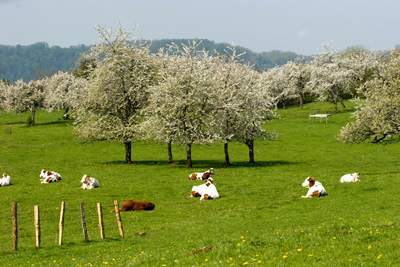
310	255
284	256
259	261
206	260
299	249
246	263
380	256
369	247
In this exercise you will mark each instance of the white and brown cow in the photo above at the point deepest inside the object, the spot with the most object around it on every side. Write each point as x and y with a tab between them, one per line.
201	175
210	192
348	178
49	176
89	182
198	190
315	188
5	180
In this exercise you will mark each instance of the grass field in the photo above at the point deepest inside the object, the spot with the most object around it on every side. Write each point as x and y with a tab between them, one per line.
260	219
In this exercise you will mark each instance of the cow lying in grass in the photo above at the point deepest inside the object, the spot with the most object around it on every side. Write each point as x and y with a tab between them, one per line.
5	180
205	191
348	178
198	190
201	175
49	176
315	188
89	182
136	205
210	192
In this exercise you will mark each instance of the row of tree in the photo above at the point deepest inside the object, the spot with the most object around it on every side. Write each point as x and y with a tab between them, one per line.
121	91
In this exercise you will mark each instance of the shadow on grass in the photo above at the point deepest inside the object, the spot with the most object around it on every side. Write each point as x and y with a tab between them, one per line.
206	164
59	122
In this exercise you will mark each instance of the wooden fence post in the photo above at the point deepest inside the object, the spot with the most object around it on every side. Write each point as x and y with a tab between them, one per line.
121	231
37	226
15	226
85	234
101	225
61	226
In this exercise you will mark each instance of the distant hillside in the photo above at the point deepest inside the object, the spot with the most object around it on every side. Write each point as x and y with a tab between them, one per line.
40	60
37	60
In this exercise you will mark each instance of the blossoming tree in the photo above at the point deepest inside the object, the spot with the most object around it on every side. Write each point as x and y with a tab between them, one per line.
378	115
181	105
117	89
21	96
62	91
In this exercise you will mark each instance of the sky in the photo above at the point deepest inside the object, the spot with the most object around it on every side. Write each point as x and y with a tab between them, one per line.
300	26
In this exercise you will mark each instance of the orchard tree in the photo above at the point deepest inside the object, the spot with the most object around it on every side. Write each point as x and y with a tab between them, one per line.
160	127
240	103
62	91
21	96
3	89
228	80
182	104
378	115
330	76
117	89
363	64
86	63
298	75
255	108
275	86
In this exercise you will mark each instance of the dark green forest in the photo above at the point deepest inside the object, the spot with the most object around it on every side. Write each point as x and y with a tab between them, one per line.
41	60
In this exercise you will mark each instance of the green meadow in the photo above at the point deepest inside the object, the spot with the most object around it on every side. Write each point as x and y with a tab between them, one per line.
260	219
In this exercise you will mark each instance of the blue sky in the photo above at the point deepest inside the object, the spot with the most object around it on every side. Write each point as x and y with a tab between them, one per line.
300	26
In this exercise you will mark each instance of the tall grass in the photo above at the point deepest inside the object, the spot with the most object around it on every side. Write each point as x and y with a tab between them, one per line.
260	219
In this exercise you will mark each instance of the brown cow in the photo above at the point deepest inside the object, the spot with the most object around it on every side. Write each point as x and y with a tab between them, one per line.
136	205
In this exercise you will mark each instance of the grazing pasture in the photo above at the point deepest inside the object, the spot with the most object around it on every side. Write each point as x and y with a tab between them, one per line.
260	219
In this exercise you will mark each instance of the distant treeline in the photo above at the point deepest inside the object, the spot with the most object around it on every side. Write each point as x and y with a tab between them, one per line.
40	60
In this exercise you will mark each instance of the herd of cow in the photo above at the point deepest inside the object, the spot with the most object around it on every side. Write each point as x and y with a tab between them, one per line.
204	191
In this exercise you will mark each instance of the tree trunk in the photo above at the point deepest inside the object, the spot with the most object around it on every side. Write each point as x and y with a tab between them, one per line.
66	114
250	144
301	101
189	155
335	103
33	111
341	101
170	160
226	154
128	152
